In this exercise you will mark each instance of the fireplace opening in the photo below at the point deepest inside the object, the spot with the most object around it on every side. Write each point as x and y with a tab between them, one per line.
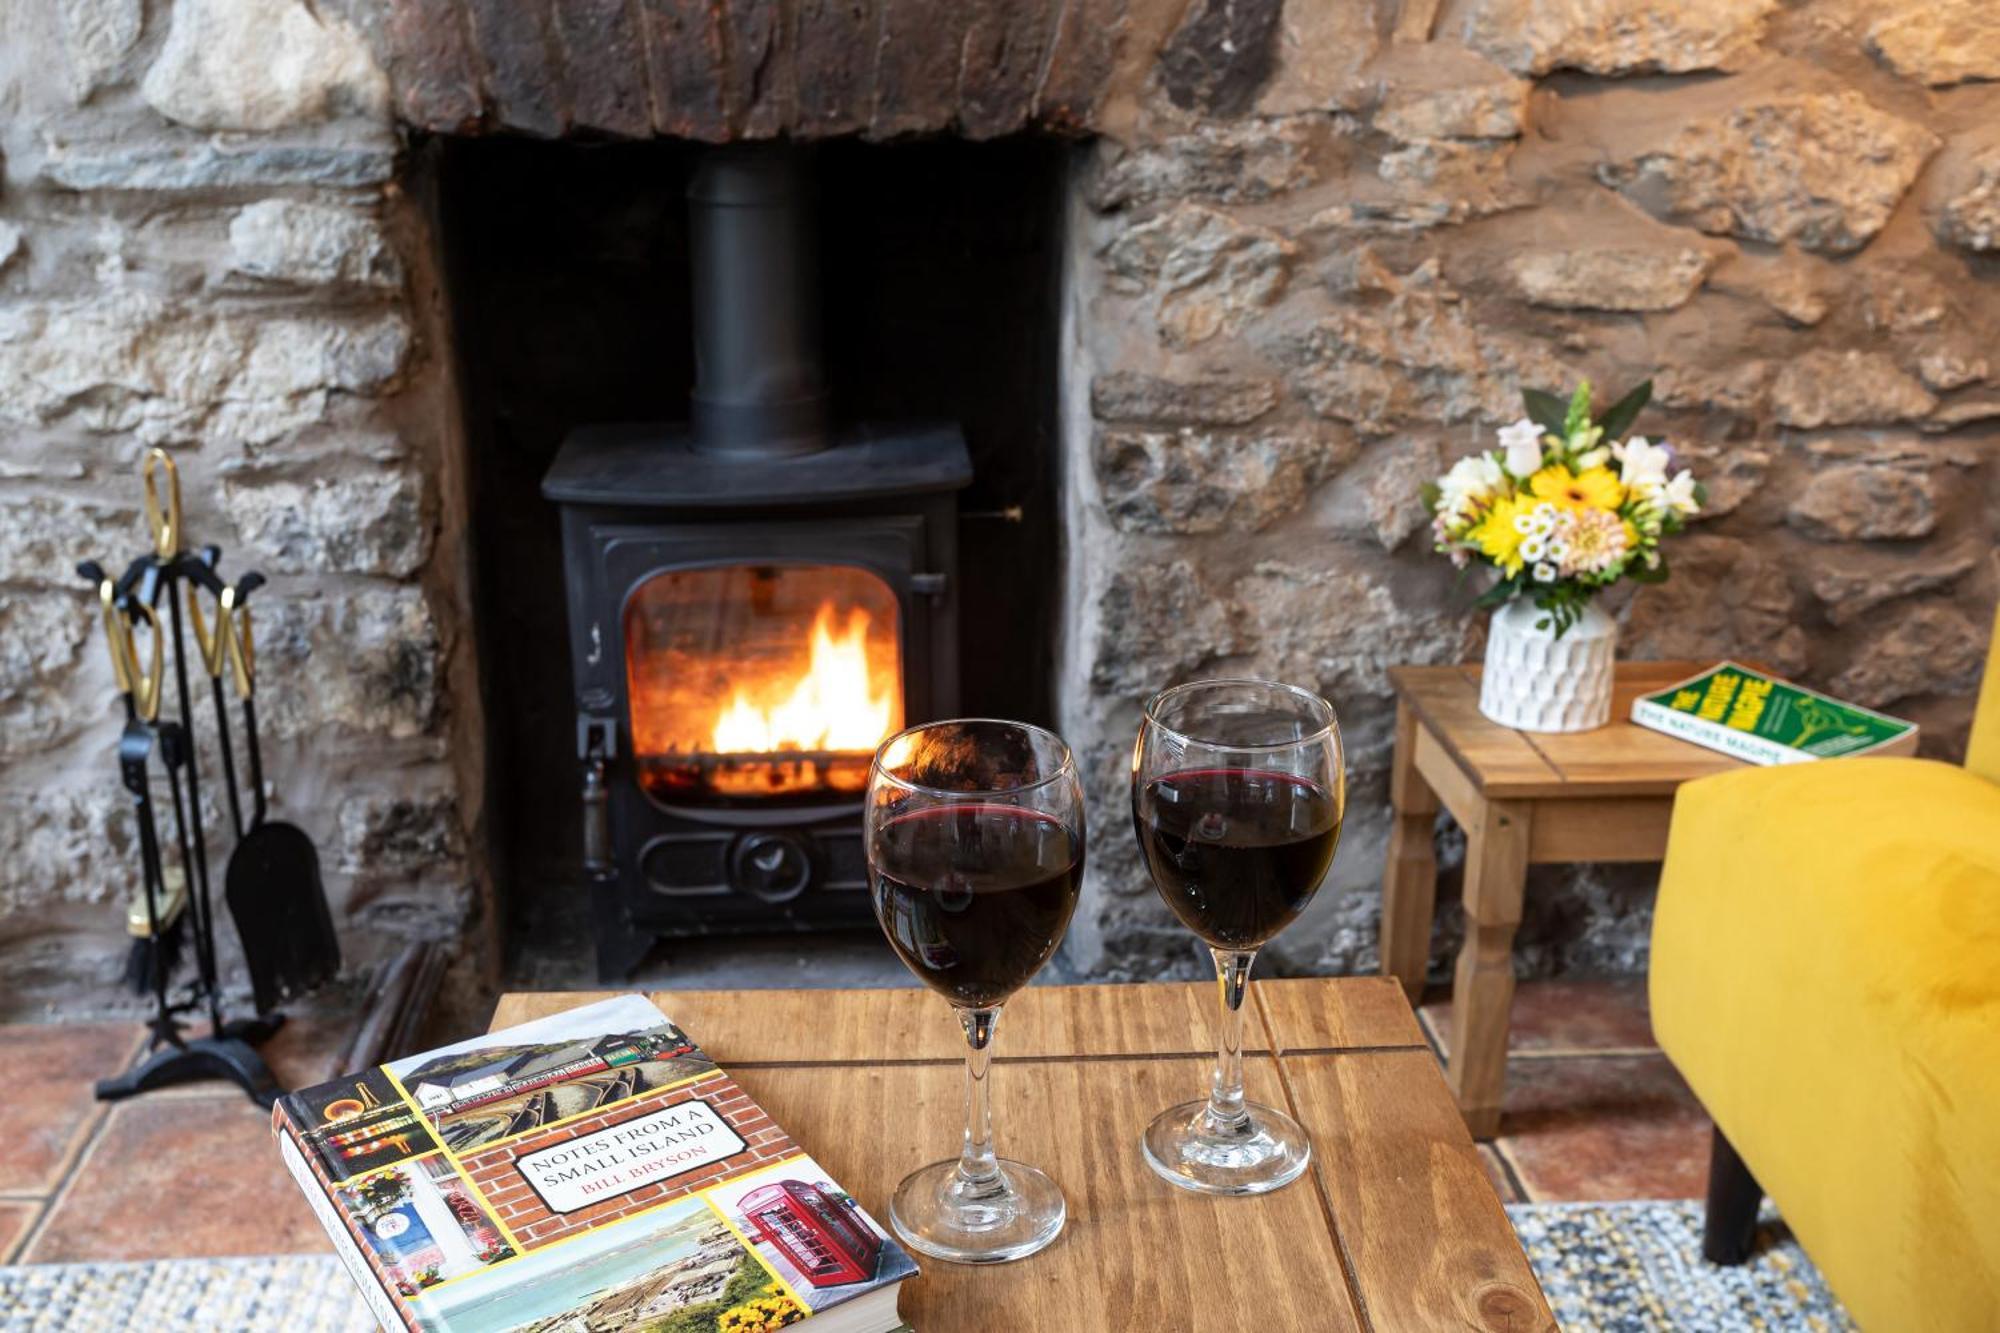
760	683
737	590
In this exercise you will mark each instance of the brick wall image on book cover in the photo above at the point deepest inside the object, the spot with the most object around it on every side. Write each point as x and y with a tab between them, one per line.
591	1170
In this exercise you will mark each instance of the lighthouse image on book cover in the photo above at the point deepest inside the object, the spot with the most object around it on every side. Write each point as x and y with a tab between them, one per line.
809	1230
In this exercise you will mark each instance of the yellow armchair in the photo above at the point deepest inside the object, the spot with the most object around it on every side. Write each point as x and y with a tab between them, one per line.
1826	976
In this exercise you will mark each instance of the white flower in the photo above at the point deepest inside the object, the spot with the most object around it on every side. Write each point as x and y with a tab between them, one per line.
1470	481
1595	458
1545	572
1642	465
1679	494
1522	442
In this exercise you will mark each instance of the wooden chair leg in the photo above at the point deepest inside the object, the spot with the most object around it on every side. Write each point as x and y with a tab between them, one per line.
1730	1231
1482	988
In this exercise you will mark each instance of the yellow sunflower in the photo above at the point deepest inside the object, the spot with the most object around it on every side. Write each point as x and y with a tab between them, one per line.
1497	537
1594	488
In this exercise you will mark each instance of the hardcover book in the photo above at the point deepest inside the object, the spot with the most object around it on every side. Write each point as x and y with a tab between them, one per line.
587	1172
1750	716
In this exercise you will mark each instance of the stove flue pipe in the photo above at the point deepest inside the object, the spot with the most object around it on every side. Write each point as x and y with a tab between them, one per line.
760	387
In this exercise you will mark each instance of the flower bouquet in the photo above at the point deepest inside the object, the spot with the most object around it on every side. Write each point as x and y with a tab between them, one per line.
1565	507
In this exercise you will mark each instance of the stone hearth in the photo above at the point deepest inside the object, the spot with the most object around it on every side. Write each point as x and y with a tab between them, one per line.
1313	252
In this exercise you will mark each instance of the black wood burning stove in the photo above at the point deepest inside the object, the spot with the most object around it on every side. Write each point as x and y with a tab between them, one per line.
756	599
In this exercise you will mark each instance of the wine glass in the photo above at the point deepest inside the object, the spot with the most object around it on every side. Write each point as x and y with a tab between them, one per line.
1237	792
974	830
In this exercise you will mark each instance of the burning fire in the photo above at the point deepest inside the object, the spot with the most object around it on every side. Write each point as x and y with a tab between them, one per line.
840	703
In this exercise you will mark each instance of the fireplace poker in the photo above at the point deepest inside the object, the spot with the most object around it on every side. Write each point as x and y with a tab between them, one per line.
164	518
155	953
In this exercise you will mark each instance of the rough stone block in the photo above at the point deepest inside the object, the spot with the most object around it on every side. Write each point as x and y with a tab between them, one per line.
1616	36
70	845
98	37
216	165
172	372
757	83
41	645
1827	388
371	523
43	536
1492	110
1337	628
311	244
1931	648
1854	585
1321	52
1610	277
1209	271
1726	598
1940	42
392	833
1864	502
916	67
262	65
1193	481
1157	621
1216	400
10	244
1218	59
363	663
1968	208
1824	170
1240	163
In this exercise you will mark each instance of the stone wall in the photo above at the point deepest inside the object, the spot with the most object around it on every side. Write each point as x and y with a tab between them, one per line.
203	246
1314	252
1321	248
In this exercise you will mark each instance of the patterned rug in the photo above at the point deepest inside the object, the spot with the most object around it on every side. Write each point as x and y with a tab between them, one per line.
1607	1268
1637	1268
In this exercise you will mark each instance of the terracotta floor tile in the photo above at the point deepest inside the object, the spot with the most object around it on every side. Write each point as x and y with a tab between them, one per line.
174	1176
48	1108
1559	1017
1603	1128
16	1216
306	1048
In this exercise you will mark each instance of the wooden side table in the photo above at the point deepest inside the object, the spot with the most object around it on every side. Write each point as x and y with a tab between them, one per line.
1522	798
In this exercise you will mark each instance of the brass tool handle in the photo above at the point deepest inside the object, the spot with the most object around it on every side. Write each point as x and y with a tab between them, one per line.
165	521
235	642
143	687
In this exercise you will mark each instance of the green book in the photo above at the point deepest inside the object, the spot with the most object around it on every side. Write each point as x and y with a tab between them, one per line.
1751	716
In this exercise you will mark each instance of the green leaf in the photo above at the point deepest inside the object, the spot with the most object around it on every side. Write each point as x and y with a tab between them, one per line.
1638	572
1500	593
1618	418
1578	415
1545	410
1429	492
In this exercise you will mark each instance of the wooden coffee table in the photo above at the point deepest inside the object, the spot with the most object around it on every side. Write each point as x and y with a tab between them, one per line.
1395	1228
1522	798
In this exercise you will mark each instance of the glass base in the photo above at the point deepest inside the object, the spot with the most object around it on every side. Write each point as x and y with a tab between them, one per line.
1268	1150
937	1214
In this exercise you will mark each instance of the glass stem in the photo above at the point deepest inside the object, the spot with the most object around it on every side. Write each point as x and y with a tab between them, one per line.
978	1171
1225	1114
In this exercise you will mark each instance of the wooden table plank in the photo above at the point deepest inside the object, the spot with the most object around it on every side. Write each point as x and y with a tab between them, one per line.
1446	700
1617	759
1360	1013
911	1023
1137	1254
1428	1242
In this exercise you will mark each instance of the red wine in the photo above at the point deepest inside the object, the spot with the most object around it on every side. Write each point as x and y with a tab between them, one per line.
974	898
1236	852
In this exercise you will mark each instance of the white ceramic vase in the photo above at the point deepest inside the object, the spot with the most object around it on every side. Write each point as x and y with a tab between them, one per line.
1538	682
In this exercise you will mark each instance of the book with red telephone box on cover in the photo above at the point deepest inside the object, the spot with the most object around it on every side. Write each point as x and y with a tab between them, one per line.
589	1171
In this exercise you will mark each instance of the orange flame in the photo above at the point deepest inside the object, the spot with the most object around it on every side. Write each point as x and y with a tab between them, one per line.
840	703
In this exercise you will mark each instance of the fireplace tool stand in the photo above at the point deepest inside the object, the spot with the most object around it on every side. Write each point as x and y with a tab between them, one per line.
129	602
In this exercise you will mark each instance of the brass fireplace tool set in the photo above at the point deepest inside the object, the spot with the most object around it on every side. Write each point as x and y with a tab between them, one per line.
272	881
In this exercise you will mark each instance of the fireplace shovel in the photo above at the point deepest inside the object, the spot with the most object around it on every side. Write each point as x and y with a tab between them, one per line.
273	884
